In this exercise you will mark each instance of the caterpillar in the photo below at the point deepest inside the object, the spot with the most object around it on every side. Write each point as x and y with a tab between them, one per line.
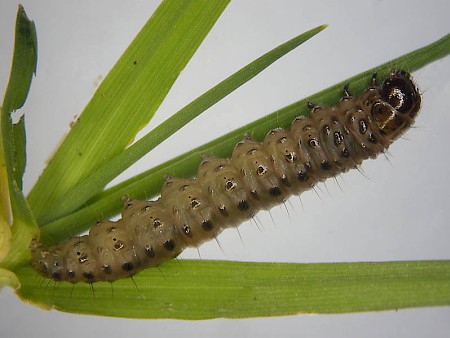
228	191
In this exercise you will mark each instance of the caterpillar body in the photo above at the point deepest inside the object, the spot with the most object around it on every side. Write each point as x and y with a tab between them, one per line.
226	192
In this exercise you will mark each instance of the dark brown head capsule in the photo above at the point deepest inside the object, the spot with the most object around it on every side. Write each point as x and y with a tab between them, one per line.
398	106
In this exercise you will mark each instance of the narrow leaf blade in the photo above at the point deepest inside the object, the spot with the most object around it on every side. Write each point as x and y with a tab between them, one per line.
12	143
128	97
24	62
217	289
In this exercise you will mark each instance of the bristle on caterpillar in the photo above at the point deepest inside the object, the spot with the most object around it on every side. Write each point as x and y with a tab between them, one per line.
226	192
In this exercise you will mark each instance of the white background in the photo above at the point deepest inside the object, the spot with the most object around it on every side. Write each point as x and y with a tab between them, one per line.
397	212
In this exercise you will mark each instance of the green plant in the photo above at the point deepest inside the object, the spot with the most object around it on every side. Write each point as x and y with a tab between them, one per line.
57	200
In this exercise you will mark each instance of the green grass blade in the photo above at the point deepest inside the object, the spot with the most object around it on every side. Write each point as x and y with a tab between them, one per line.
24	63
128	97
22	70
12	144
149	183
216	289
112	168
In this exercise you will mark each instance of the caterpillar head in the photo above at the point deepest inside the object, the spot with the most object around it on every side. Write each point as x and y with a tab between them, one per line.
398	105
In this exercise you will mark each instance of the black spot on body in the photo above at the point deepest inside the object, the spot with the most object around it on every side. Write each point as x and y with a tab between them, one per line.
275	191
106	269
89	276
345	153
325	165
243	205
56	275
128	266
207	225
372	138
71	274
187	230
302	176
149	251
169	244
